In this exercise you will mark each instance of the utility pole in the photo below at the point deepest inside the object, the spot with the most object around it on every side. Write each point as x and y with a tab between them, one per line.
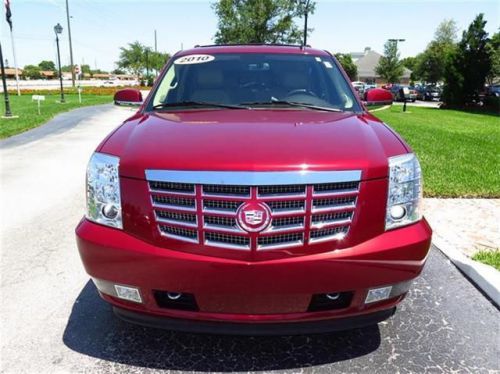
306	13
70	47
156	43
8	113
15	61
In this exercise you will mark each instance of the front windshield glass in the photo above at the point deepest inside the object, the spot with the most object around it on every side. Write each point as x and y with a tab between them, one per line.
254	81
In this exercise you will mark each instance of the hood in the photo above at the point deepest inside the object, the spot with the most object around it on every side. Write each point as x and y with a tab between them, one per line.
253	140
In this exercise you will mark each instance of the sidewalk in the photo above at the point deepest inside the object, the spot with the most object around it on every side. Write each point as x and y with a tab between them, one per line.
463	227
468	225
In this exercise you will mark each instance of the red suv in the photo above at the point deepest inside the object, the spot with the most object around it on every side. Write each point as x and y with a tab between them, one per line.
253	193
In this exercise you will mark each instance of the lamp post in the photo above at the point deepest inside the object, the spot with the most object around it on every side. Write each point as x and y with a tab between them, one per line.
58	30
8	113
396	41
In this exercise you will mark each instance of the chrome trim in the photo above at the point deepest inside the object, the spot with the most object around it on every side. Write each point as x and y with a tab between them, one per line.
228	213
281	197
281	229
231	229
174	207
332	208
182	238
339	236
177	223
253	178
170	193
225	245
327	224
336	193
295	212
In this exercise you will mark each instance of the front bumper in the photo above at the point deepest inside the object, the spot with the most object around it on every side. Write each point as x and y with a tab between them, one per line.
266	292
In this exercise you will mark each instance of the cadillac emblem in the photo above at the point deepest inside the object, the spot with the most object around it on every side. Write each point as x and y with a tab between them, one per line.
253	216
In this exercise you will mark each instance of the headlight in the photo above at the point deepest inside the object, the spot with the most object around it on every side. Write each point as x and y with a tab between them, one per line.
103	190
405	191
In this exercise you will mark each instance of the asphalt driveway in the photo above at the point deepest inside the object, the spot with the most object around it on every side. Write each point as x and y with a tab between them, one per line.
53	320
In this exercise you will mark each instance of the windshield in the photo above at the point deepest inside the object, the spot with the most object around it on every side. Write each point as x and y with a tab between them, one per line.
253	81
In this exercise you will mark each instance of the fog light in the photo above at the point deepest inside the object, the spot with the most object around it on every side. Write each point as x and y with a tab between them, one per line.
128	293
378	294
398	212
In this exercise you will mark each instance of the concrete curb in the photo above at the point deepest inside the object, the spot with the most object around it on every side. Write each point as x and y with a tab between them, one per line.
485	277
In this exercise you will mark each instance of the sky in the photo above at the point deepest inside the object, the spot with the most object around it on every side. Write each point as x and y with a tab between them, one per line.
100	28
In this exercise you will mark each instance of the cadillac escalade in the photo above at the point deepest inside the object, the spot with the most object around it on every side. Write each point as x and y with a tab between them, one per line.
253	193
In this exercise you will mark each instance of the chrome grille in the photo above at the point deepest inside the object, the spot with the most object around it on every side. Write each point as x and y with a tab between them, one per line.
205	213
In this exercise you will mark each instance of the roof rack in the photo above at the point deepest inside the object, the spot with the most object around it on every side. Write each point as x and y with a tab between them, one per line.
251	44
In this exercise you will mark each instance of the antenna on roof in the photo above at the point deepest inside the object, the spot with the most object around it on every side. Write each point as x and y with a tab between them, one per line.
306	11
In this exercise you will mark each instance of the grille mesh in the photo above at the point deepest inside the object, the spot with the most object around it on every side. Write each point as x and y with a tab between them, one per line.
236	240
173	216
334	187
220	221
222	205
293	189
174	201
214	189
338	201
331	217
178	231
318	234
266	241
172	187
288	221
285	205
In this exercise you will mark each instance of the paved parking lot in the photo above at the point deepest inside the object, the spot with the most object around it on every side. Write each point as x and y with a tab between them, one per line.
54	321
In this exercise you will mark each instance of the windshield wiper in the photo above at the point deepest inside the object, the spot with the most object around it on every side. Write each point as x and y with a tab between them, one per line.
197	104
292	104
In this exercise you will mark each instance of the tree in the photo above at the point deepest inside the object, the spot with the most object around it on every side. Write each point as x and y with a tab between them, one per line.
157	60
468	66
118	71
389	66
32	72
260	21
47	66
446	32
494	47
430	65
132	58
348	64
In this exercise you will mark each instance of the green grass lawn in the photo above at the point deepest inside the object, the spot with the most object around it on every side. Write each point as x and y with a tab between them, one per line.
459	151
491	258
27	111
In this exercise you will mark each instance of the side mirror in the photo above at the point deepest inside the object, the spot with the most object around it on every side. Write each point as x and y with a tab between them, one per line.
378	96
128	96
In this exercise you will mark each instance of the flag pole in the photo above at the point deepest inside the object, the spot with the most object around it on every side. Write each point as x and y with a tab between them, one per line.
15	61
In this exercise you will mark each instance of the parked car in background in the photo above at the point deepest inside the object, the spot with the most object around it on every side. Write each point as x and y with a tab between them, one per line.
428	93
359	87
397	94
252	192
493	90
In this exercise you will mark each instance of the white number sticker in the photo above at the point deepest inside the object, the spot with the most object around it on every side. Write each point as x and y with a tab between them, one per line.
194	59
